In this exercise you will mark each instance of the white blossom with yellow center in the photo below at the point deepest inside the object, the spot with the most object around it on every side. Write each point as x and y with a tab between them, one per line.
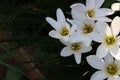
62	29
76	49
86	30
109	39
91	10
108	67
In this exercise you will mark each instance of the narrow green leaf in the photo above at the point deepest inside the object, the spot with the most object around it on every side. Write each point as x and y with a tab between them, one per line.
14	68
5	56
12	75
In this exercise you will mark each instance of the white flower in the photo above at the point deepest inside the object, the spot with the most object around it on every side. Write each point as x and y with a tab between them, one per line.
86	30
116	6
75	48
92	10
62	28
109	39
107	67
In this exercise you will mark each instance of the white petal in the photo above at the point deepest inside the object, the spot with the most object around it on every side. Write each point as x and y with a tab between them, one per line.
115	25
87	41
103	12
64	42
108	31
118	40
115	52
54	34
97	37
95	62
112	78
77	15
53	23
90	4
101	26
115	6
105	19
102	51
78	7
98	3
66	52
117	62
60	17
65	38
76	22
77	57
86	49
108	58
72	30
99	75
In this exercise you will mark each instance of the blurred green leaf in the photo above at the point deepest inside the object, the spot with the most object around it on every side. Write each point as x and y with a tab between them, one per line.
14	69
12	75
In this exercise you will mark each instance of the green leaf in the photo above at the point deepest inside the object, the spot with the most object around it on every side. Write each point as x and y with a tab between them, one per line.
14	69
12	75
5	56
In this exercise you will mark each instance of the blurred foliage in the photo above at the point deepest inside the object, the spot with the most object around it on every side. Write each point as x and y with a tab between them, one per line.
27	27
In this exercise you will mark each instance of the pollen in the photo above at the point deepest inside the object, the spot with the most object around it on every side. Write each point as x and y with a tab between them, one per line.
112	69
91	13
87	28
64	31
110	40
76	46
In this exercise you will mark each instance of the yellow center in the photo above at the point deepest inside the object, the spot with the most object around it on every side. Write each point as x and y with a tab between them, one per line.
110	40
91	13
87	28
112	69
75	46
64	31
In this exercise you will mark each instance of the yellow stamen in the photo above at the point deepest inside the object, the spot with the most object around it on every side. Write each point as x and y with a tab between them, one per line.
90	13
87	28
64	31
76	46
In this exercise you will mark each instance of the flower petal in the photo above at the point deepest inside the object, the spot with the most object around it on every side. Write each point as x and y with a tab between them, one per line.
115	25
87	41
118	63
100	26
85	49
98	3
115	7
78	7
103	12
102	51
98	75
118	40
108	31
115	52
77	15
77	57
66	52
105	19
90	4
60	17
95	62
108	58
53	23
113	78
54	34
97	37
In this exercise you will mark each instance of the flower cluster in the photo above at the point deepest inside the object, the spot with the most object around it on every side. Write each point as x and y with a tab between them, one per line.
90	23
